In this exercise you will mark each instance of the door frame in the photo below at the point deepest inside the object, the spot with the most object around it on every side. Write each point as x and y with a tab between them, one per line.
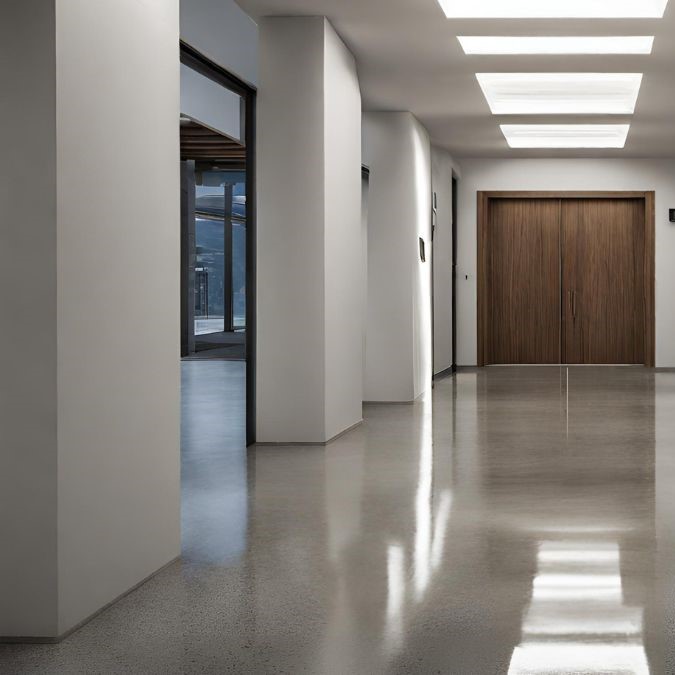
455	258
649	267
202	64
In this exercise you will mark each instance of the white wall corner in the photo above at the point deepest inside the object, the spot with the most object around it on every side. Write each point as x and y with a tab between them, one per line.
398	337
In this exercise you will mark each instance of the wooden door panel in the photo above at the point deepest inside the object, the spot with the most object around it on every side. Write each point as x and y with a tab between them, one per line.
603	281
524	281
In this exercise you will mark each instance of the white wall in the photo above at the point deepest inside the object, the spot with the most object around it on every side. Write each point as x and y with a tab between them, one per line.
442	167
398	335
309	228
343	236
223	32
422	310
208	102
90	262
567	174
118	289
28	306
290	302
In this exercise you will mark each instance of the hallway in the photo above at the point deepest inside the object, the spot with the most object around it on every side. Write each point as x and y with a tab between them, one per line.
524	523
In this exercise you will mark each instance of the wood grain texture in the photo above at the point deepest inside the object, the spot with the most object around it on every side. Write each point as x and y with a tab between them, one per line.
524	281
646	202
482	280
199	142
603	245
565	194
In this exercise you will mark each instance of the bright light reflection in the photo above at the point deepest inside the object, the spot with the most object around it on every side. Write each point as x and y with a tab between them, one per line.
553	9
596	617
572	530
429	543
577	581
396	595
553	552
395	579
512	45
442	518
578	594
569	603
423	511
538	658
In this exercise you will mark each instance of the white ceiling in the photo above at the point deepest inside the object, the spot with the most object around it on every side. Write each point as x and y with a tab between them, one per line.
409	59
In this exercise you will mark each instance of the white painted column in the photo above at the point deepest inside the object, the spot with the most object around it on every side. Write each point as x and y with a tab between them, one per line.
89	257
398	335
309	357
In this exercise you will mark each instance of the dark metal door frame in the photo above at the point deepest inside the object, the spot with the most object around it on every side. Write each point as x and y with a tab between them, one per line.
201	64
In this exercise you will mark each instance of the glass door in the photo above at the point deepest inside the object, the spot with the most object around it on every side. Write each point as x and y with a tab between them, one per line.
220	263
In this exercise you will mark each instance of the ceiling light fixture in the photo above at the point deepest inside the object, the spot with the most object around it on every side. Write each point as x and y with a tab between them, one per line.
554	9
565	135
561	93
493	44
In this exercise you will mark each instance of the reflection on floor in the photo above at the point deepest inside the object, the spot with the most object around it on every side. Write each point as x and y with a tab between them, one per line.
213	472
514	525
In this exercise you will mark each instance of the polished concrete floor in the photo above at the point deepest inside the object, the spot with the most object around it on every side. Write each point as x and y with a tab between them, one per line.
521	522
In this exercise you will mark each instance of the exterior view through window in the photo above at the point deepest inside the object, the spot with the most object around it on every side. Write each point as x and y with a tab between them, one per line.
214	218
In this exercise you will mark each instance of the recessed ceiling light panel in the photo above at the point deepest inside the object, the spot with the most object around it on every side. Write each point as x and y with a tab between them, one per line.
554	9
494	44
565	135
561	93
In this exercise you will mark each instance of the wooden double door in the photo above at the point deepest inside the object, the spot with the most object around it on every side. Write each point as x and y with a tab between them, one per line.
565	279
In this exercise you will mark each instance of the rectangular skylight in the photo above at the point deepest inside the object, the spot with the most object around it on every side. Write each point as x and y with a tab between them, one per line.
565	135
561	93
554	9
493	44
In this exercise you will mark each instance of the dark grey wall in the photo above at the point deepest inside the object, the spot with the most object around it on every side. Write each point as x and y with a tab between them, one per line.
28	411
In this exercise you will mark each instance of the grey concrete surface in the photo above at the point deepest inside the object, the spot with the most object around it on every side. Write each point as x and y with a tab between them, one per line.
518	521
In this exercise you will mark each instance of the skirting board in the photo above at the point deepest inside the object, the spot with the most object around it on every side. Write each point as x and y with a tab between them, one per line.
395	402
319	444
55	640
448	372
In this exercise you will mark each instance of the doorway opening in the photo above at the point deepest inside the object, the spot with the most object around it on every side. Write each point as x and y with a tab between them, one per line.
454	271
566	278
217	143
214	236
218	253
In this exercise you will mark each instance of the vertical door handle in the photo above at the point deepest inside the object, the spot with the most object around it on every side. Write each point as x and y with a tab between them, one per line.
574	305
